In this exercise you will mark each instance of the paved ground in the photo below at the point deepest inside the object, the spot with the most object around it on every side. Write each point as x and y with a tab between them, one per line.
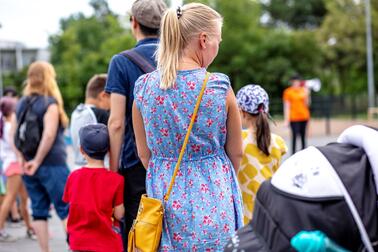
317	137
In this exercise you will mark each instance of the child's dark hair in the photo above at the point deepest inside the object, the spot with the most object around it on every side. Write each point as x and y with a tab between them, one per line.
7	107
263	136
95	85
10	91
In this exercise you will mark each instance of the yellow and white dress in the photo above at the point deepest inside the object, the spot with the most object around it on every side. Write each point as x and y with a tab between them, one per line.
256	167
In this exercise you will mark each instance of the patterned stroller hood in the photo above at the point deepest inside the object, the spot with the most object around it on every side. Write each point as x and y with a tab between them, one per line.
330	188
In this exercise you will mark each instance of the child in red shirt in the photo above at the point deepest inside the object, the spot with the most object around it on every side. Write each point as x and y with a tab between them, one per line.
95	197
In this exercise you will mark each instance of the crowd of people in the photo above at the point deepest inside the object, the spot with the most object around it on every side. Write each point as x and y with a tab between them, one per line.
127	136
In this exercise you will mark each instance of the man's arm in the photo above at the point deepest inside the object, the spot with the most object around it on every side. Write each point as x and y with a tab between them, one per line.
144	152
116	127
286	109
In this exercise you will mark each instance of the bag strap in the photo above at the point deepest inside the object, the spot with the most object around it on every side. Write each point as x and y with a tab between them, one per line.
28	106
166	197
139	60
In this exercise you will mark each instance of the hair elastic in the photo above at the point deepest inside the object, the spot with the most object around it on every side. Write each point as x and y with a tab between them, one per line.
179	12
260	108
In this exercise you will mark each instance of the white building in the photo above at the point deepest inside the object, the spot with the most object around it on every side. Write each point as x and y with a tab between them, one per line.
14	56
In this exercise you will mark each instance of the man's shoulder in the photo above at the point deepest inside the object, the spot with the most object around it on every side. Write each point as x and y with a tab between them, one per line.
121	60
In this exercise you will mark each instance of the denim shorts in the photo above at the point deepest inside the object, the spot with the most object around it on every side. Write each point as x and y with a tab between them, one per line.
46	186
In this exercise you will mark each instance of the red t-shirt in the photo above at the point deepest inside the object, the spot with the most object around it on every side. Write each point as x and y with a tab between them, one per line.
92	193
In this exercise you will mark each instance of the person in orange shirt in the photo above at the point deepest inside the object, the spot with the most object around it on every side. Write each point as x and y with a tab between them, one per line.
296	110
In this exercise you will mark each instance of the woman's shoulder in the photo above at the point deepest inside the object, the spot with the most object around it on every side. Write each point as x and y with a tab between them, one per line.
219	80
219	77
144	80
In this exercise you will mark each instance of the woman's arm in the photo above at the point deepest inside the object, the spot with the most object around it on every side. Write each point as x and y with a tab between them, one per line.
234	138
50	129
144	152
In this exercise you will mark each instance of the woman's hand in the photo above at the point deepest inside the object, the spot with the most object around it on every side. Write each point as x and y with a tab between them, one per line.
31	167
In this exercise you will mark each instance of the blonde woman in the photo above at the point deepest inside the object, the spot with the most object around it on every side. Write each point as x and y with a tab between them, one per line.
204	208
46	171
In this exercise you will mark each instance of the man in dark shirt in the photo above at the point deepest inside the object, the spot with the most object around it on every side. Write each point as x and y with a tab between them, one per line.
122	74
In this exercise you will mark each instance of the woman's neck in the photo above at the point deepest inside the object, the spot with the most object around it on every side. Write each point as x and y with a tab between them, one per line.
187	63
190	60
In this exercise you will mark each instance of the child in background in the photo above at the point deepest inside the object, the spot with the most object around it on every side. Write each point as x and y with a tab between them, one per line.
262	150
95	197
12	170
94	110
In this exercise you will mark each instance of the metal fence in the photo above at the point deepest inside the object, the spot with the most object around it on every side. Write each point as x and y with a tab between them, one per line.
327	106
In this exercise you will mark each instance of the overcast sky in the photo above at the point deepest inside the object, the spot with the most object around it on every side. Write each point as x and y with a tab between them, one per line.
32	21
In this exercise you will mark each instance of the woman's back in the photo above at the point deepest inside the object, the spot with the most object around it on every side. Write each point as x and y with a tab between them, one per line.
57	153
204	208
167	114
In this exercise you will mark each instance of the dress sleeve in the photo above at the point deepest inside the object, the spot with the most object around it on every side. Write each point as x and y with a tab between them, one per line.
139	89
220	80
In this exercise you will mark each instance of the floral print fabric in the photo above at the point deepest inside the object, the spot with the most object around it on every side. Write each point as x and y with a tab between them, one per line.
204	208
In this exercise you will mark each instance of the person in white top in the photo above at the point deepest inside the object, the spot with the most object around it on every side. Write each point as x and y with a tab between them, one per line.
12	168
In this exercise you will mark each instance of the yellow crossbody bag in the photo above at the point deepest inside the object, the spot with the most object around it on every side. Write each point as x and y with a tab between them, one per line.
145	234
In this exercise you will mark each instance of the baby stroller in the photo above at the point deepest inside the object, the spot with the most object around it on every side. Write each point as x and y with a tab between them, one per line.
330	188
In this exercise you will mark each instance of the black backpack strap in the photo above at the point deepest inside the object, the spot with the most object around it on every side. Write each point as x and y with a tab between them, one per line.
28	105
139	60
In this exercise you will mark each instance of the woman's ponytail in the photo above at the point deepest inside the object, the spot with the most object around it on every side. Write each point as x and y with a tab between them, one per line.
170	45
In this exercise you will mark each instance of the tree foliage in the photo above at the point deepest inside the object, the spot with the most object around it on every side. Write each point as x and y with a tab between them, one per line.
334	49
84	47
296	13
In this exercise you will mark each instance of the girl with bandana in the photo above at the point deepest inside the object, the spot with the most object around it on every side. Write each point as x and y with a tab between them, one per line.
262	150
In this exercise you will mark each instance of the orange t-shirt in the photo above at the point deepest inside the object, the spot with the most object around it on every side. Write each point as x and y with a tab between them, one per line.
297	98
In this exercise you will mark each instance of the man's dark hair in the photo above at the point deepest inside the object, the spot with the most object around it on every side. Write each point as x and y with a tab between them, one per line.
147	31
10	91
95	85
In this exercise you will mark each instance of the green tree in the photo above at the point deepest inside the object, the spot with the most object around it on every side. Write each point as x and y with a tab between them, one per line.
84	47
343	39
295	13
251	53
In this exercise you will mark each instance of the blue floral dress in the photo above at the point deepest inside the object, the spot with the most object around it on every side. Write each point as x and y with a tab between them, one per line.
204	208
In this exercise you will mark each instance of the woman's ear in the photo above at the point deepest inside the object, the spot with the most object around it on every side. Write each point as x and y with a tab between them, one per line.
203	39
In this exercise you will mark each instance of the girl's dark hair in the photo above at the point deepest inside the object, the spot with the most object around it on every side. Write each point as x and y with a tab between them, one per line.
263	131
7	106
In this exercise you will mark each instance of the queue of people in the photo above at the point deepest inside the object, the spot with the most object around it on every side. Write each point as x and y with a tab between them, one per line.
139	113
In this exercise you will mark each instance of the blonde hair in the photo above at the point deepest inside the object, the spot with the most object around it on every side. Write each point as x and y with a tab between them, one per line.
176	31
42	80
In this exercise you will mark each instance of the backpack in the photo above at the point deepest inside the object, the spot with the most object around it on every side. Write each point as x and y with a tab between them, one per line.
81	116
29	130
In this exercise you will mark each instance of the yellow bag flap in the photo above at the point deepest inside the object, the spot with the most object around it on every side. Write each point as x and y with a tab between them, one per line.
150	210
